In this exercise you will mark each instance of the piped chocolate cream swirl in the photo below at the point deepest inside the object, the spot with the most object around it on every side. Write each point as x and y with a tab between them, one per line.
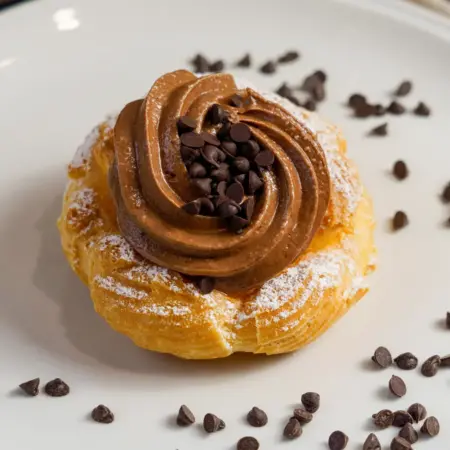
153	180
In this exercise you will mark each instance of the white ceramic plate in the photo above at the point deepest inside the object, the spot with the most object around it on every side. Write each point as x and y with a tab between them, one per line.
62	71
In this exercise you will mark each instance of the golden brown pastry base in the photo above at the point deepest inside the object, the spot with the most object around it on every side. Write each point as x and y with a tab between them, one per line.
159	311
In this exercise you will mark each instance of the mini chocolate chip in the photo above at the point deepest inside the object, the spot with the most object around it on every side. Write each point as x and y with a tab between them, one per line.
224	131
212	423
371	443
200	63
241	164
431	366
382	357
186	124
207	206
422	110
102	414
236	223
268	68
303	416
245	61
216	114
256	417
408	433
206	285
265	158
310	82
355	100
250	149
404	88
203	185
401	418
210	138
383	419
397	386
289	56
380	130
185	416
57	388
398	443
396	108
192	139
363	110
229	147
284	91
406	361
399	221
445	361
192	207
248	207
31	387
293	429
310	105
217	66
321	75
247	443
235	192
197	170
337	440
211	155
379	110
318	92
227	209
418	412
400	170
431	427
311	401
240	132
254	182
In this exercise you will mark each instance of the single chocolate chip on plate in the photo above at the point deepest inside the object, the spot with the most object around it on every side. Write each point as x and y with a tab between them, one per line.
265	158
217	66
446	199
409	433
185	416
293	429
383	419
431	427
186	124
303	416
318	92
396	108
235	192
404	88
397	386
192	139
289	56
241	164
206	285
216	114
284	91
102	414
401	418
355	100
380	130
398	443
212	423
247	443
400	220
245	61
431	366
400	170
337	440
379	110
445	361
310	105
321	75
311	401
57	388
418	412
406	361
382	357
422	110
256	417
268	68
371	443
30	387
240	132
200	63
363	110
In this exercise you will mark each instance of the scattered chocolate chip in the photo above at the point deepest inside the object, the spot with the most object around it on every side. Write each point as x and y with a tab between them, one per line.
289	56
400	170
321	75
186	124
310	82
401	418
382	357
265	158
371	443
399	221
217	66
310	105
318	92
235	192
192	207
431	366
445	361
422	110
216	114
247	443
293	429
229	147
31	387
311	401
404	88
212	423
418	412
200	63
446	199
236	101
363	110
245	61
241	164
102	414
210	138
284	91
408	433
256	417
192	139
397	386
396	108
236	224
206	285
240	132
248	207
380	130
224	130
302	415
337	440
227	208
196	170
383	419
431	427
379	110
268	68
185	416
203	185
356	100
293	99
254	182
406	361
250	149
447	320
57	388
398	443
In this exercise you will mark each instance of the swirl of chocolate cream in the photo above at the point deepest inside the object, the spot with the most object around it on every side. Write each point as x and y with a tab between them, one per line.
150	184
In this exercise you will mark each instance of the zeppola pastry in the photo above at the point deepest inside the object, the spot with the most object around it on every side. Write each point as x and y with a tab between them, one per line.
210	218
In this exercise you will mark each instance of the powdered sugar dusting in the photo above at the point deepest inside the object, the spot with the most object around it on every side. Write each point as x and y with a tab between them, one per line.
110	284
82	203
117	245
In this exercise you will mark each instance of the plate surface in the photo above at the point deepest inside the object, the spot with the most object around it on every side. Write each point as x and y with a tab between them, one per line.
63	67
